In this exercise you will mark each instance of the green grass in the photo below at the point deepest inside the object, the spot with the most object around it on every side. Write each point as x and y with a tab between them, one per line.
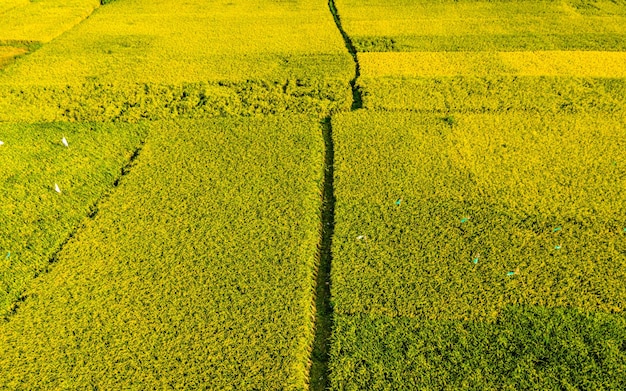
401	25
35	220
197	272
457	218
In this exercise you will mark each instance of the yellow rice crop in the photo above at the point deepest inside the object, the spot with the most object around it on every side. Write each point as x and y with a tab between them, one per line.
454	18
7	5
143	41
533	63
42	21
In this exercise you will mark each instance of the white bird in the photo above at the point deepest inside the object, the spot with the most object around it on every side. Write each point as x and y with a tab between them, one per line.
360	237
64	141
1	143
56	188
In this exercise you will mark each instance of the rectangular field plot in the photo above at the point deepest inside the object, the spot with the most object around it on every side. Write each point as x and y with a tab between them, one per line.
588	64
173	43
196	273
495	94
399	25
446	219
421	197
34	218
541	81
141	59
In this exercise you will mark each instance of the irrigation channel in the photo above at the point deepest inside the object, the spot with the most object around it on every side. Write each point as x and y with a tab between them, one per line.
318	375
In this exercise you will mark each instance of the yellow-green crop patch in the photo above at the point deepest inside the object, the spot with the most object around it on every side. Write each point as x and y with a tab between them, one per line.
444	219
7	5
35	219
42	20
541	81
197	272
588	64
274	52
400	25
476	94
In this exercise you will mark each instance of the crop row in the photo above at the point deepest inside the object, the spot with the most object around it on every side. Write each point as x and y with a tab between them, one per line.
134	102
197	272
475	94
582	64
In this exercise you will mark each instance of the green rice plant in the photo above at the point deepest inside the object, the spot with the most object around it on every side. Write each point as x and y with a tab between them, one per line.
197	272
42	20
526	348
445	222
401	25
35	220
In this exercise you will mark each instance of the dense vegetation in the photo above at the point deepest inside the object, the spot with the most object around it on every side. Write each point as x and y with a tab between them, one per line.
479	239
460	228
41	20
35	219
526	348
400	25
197	272
142	59
167	189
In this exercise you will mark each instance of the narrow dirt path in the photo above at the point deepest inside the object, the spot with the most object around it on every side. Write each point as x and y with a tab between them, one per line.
323	308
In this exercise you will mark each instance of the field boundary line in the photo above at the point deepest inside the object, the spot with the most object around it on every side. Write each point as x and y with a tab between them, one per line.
322	308
322	311
357	100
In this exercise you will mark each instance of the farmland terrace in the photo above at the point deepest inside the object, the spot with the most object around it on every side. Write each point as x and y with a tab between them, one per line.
291	195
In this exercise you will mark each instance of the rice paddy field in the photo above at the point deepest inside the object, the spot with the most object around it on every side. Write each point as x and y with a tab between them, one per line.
313	195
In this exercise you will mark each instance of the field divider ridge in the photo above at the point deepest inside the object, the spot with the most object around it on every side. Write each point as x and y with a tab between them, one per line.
322	311
357	101
322	308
